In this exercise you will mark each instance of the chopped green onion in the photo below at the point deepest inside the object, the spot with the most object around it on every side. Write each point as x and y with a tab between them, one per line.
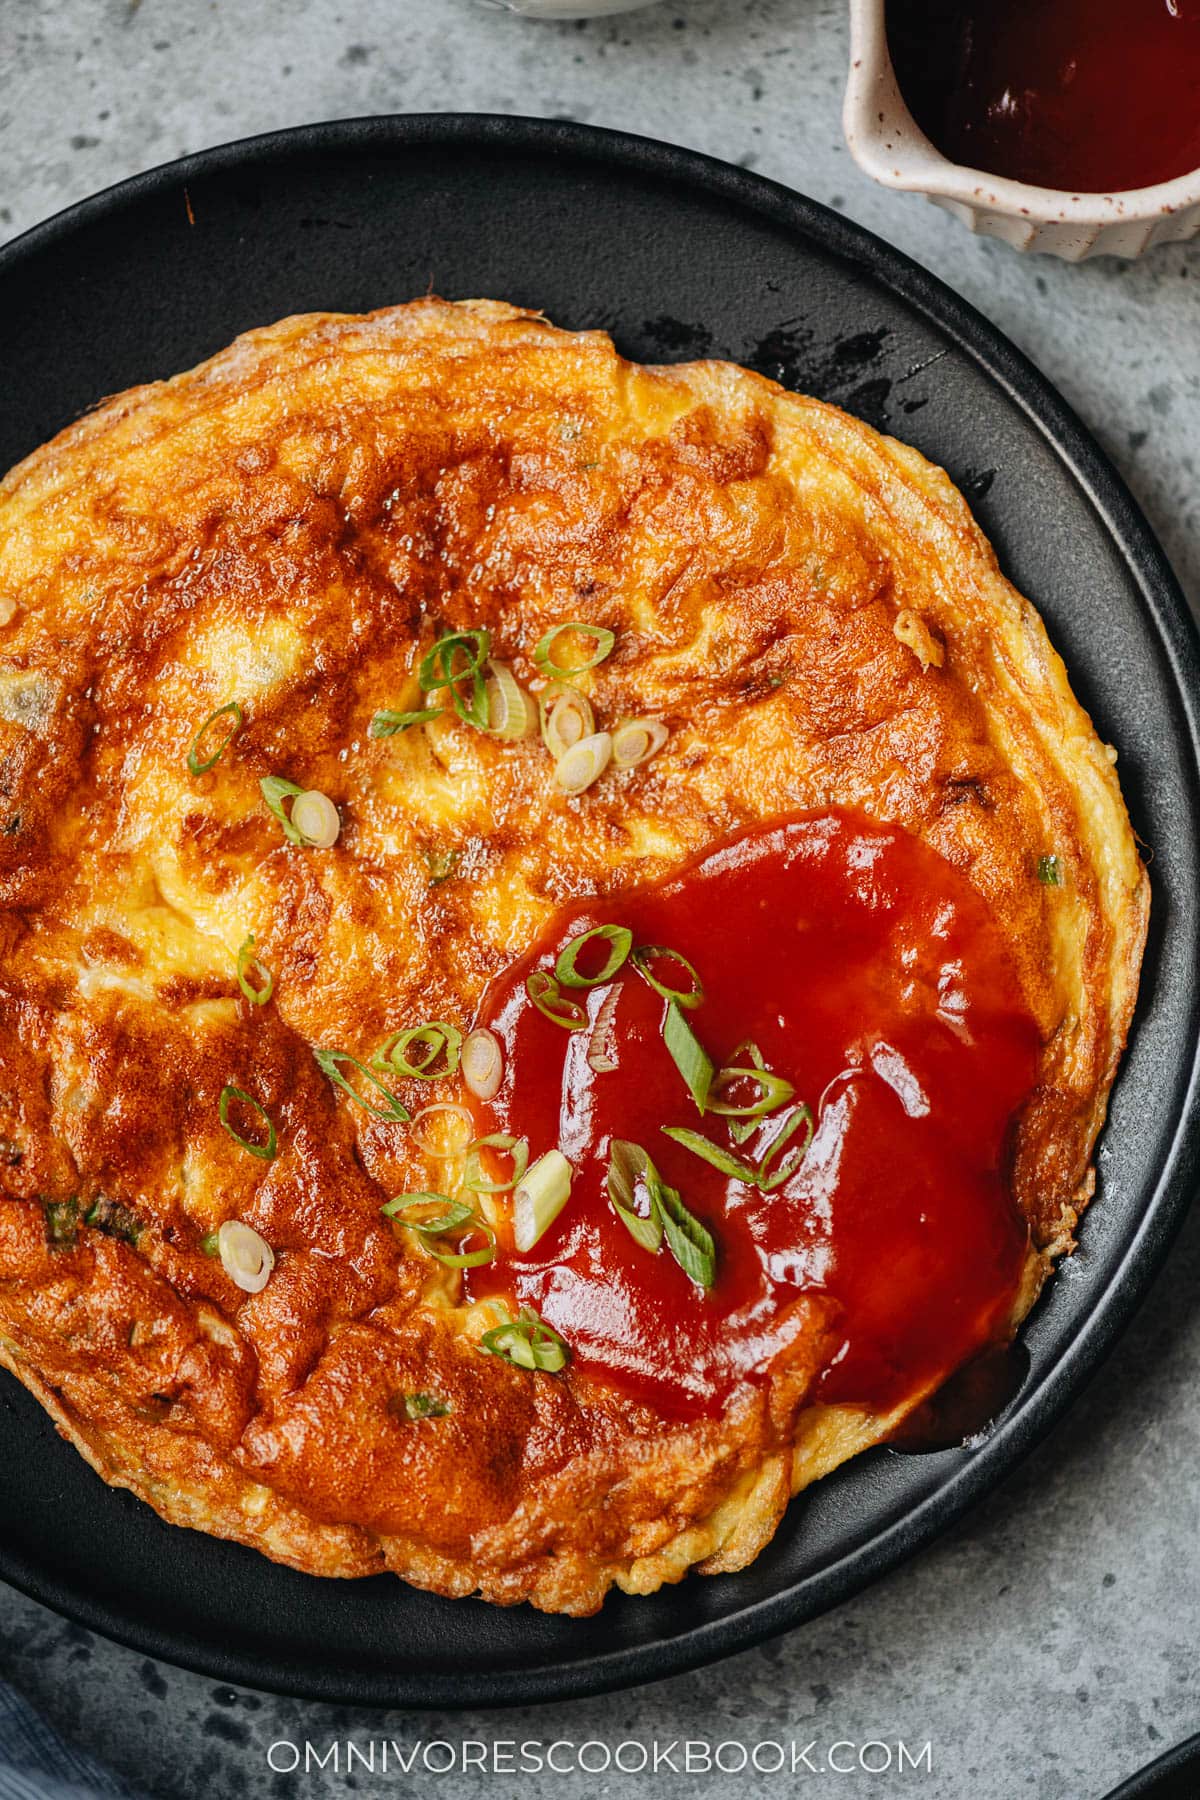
566	718
210	1244
265	1151
246	1256
199	765
441	864
628	1165
327	1061
437	666
773	1092
635	741
584	763
691	1058
62	1223
527	1342
620	941
440	669
769	1178
317	819
1050	871
442	1146
387	723
455	1217
517	1148
422	1406
741	1129
433	1041
646	954
247	963
725	1160
482	1063
453	1214
539	1198
689	1242
601	1050
113	1219
765	1176
602	637
275	790
549	998
510	713
474	710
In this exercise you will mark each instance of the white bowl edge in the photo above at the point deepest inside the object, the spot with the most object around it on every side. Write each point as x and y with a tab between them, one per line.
888	145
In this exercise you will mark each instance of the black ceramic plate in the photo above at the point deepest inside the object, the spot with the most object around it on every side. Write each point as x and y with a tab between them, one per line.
1175	1776
678	257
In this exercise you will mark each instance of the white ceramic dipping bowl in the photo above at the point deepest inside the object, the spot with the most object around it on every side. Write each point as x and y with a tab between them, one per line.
888	145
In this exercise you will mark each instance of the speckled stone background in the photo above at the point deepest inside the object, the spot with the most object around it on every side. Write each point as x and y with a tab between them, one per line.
1048	1646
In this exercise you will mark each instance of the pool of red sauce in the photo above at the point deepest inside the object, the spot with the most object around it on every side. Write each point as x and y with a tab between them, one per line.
1094	96
871	976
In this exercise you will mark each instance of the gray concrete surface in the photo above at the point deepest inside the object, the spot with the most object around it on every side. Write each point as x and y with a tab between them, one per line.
1049	1645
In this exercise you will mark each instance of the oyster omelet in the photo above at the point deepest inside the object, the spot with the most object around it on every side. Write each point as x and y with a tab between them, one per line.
429	727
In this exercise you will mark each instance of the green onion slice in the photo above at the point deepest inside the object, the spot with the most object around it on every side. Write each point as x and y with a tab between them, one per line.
691	1058
423	1406
540	1197
527	1342
441	864
457	658
249	964
647	954
62	1223
741	1129
265	1151
113	1219
327	1062
438	668
454	1216
453	1213
210	1244
275	790
629	1165
773	1092
689	1242
549	998
1050	871
387	723
473	1176
199	765
601	636
620	942
429	1052
770	1176
566	717
467	1259
722	1159
509	712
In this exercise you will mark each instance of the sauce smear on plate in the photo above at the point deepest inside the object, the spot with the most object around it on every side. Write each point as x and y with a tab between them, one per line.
1091	96
871	977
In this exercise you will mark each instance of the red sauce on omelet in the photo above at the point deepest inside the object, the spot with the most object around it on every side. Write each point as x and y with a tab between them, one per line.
870	974
1091	96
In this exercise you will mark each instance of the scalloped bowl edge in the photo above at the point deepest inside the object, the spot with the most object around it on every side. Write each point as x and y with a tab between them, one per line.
889	146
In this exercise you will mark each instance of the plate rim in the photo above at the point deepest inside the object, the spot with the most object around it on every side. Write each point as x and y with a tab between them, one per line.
1161	1777
1176	632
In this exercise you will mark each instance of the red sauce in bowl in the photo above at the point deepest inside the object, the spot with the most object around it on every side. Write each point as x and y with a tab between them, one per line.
872	977
1090	96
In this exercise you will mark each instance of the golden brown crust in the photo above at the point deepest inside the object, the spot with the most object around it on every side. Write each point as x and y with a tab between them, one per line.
814	613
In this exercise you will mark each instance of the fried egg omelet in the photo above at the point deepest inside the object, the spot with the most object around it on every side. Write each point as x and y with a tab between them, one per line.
259	628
